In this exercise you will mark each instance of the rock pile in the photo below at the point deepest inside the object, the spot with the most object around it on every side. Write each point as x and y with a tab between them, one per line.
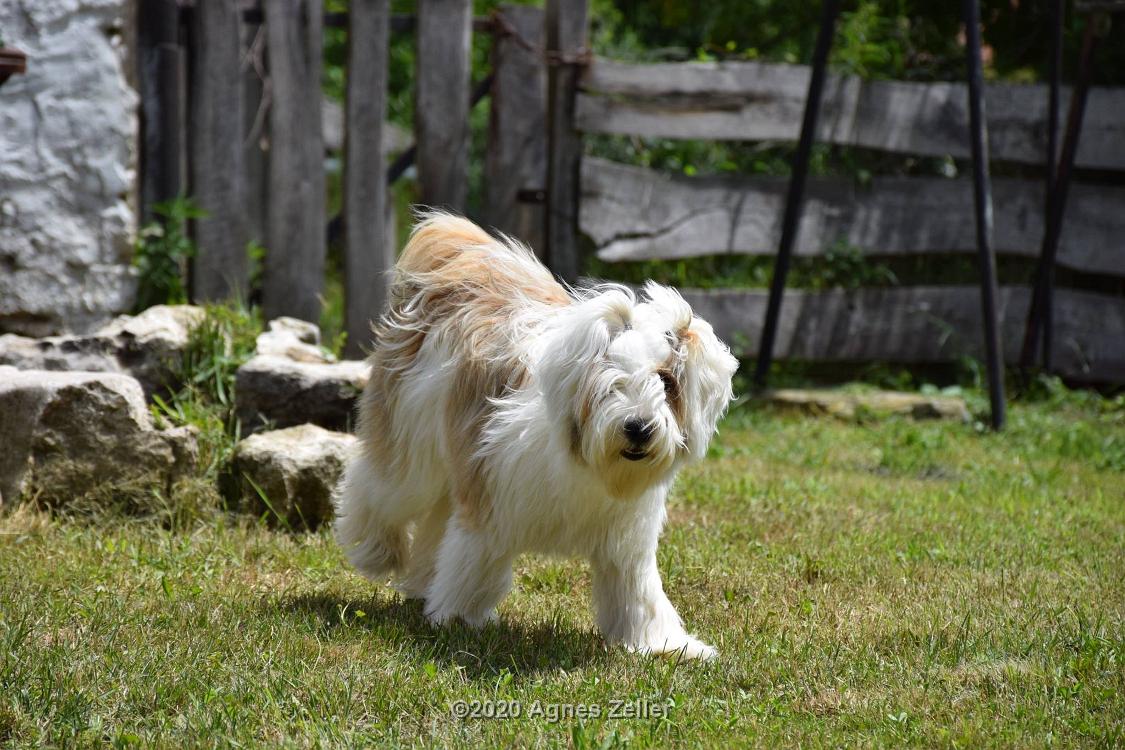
75	422
148	346
290	381
68	434
289	474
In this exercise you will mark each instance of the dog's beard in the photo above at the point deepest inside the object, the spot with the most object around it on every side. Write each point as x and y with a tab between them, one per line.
627	471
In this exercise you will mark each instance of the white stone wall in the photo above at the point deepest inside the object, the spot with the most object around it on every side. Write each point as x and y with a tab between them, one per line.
67	154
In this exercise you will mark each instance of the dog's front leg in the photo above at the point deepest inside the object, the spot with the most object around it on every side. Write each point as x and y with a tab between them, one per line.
470	578
632	608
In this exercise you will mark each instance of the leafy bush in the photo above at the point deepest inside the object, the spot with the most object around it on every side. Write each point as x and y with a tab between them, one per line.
162	251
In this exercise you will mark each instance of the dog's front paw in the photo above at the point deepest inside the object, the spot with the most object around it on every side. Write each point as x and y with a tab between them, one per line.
684	647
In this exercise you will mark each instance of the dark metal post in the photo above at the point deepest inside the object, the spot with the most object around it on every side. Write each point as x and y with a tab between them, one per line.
982	197
829	10
1039	313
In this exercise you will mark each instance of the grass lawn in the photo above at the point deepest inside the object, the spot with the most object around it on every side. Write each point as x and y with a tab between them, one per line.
881	583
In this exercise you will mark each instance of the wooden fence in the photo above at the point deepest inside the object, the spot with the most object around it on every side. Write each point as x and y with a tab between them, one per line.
631	213
231	89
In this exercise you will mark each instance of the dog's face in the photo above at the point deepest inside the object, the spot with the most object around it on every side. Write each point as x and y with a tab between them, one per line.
638	385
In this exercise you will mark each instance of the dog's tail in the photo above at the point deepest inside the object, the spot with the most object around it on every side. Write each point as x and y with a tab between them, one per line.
451	262
372	543
438	239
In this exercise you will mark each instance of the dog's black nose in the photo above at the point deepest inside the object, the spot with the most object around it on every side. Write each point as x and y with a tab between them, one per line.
638	431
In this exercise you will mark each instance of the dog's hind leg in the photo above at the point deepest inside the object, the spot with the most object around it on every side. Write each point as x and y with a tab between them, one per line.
428	532
470	578
371	525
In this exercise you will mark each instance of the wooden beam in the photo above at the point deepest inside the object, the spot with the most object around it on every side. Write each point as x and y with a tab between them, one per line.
220	268
255	127
294	268
161	83
763	102
369	250
566	43
917	325
441	102
516	161
633	213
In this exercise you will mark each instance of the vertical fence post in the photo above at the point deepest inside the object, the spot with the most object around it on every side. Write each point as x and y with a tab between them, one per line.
218	181
162	94
982	200
516	164
295	248
566	45
255	103
368	247
794	200
441	101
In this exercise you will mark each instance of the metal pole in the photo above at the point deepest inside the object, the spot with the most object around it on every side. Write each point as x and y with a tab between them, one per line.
1054	71
1039	313
982	197
829	10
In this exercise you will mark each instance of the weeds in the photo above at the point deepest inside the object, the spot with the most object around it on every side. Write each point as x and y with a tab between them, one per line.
217	346
162	252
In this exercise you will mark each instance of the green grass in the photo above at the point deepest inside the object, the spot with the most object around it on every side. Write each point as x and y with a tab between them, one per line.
884	583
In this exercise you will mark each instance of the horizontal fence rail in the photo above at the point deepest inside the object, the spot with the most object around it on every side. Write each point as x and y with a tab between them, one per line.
763	102
634	213
918	325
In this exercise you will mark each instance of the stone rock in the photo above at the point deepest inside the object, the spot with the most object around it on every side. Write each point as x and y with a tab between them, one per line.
147	346
66	435
296	339
68	138
849	405
281	392
295	469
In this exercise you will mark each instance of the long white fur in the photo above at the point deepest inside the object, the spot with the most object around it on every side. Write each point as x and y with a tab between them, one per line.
547	491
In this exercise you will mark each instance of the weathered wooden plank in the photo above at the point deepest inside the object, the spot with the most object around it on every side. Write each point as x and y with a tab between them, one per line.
254	128
566	39
441	101
161	82
918	325
220	268
368	249
294	268
632	213
763	101
517	142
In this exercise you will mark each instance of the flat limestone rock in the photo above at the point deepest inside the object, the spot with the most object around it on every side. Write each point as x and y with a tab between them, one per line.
65	435
148	346
848	405
293	338
278	391
290	474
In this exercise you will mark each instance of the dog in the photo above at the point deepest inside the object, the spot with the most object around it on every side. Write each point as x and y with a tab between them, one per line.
506	413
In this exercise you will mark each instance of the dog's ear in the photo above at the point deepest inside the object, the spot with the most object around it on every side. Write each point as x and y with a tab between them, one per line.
705	370
708	367
576	347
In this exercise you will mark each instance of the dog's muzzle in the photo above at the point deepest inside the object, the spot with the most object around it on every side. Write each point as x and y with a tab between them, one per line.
638	432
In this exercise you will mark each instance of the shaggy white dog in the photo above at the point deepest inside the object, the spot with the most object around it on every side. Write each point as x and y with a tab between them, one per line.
507	414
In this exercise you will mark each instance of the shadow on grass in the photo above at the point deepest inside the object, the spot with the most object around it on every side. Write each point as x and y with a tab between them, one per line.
520	648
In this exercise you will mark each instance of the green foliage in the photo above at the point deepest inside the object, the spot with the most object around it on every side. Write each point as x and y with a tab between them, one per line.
162	252
332	331
217	346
